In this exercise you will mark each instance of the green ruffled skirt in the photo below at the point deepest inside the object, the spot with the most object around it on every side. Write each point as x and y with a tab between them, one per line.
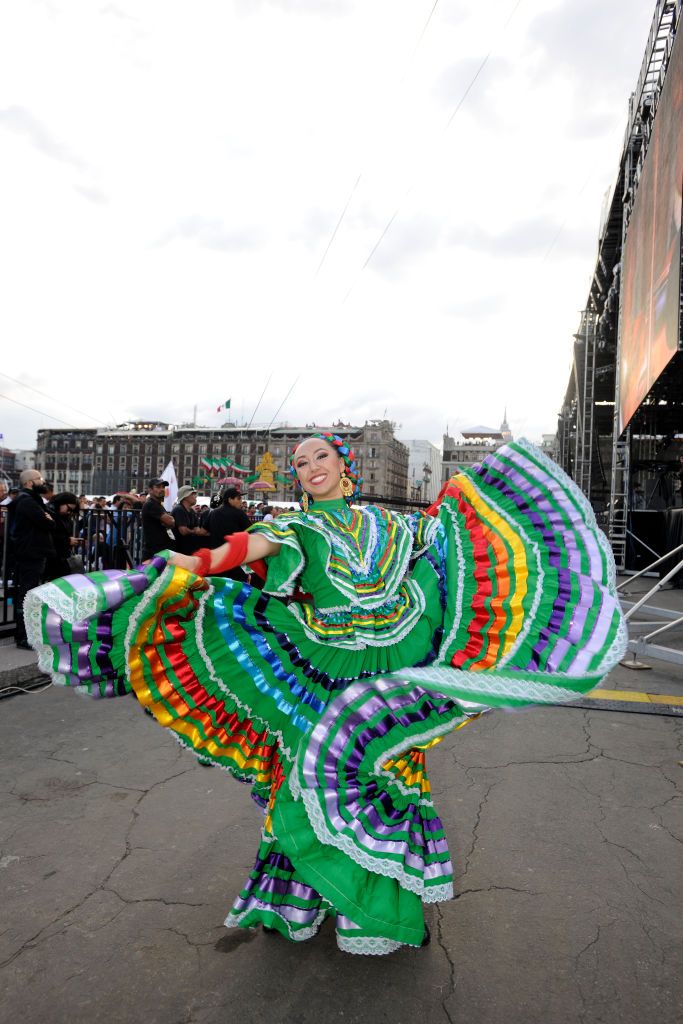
519	607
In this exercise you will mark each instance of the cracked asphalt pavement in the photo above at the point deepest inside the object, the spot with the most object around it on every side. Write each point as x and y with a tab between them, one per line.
120	855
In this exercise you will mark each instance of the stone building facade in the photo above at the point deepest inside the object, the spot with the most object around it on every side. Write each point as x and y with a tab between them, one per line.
424	470
476	443
8	468
125	458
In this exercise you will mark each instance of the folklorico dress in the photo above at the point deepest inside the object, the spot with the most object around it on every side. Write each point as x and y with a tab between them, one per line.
410	626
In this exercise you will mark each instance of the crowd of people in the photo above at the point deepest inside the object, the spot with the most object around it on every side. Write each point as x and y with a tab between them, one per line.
52	535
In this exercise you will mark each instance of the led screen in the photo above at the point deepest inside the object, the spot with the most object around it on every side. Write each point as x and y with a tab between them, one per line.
652	252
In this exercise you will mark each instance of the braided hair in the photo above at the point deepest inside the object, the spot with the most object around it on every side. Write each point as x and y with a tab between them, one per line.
338	445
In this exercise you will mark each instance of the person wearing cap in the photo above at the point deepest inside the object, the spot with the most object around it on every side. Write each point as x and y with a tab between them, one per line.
156	521
225	520
187	529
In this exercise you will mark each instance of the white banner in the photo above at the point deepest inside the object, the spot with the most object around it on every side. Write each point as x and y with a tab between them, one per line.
172	489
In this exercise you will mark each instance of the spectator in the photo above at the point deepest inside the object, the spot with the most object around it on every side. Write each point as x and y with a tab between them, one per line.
4	500
31	530
156	521
229	518
49	492
267	514
187	530
63	510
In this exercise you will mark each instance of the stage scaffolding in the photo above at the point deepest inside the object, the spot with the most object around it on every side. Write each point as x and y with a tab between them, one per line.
591	450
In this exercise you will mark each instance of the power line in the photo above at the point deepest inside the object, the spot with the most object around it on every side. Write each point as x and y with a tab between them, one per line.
360	176
43	394
39	411
450	120
259	402
283	402
424	29
338	224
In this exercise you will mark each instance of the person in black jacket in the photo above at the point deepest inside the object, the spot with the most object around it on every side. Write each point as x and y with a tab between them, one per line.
31	531
188	530
228	518
62	508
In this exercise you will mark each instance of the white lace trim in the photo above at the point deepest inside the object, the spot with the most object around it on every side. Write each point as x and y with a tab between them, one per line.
362	638
234	773
430	529
532	546
389	869
604	543
617	648
72	609
215	678
301	935
560	477
79	605
369	945
404	542
287	586
450	682
460	585
416	741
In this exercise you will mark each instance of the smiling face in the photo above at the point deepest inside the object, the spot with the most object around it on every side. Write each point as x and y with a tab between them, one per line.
319	469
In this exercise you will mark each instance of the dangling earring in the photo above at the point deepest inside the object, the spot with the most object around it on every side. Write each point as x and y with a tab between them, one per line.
345	485
304	501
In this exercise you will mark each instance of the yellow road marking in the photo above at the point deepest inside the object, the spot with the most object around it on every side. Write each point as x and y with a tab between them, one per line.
633	696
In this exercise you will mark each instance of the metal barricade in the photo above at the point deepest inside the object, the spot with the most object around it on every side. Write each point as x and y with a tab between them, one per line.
6	581
107	539
666	619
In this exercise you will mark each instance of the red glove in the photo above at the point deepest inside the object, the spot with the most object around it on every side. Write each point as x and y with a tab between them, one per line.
235	556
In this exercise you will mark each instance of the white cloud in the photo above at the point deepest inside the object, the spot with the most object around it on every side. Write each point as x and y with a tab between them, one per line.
173	174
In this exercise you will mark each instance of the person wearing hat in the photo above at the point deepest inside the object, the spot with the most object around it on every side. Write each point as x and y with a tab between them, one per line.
156	521
187	529
225	520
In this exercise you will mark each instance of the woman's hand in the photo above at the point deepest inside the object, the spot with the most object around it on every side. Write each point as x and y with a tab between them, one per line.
188	562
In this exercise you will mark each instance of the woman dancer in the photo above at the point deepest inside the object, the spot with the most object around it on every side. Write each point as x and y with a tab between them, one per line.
375	635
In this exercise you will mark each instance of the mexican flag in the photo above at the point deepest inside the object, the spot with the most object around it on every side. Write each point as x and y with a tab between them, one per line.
225	405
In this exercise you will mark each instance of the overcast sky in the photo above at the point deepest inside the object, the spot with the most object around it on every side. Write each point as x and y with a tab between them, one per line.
173	174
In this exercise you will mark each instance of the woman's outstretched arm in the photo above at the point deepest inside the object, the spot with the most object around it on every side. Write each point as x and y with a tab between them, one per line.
258	546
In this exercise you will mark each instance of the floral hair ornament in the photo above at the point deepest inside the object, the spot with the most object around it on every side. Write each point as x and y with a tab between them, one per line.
351	490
